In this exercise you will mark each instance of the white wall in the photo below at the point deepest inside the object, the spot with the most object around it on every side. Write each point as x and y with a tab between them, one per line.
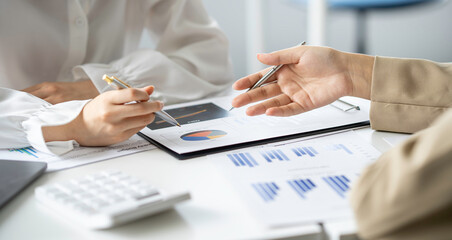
416	32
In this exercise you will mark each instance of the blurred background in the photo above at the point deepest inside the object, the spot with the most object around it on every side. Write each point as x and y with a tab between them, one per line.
418	31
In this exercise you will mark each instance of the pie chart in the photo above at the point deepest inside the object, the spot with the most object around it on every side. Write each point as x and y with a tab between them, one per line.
203	135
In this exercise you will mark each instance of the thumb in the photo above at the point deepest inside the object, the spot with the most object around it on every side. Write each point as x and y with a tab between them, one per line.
285	56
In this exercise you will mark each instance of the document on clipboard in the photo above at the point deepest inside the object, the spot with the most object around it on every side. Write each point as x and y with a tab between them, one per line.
208	127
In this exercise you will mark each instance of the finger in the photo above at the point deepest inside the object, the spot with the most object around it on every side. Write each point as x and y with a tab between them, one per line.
53	99
149	89
285	56
249	81
257	94
129	133
136	122
261	108
127	95
40	94
138	109
32	88
123	136
286	110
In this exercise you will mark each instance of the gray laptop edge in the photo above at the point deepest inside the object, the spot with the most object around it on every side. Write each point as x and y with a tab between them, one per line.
15	176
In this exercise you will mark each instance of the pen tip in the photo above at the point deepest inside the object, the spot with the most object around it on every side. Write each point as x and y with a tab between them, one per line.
231	109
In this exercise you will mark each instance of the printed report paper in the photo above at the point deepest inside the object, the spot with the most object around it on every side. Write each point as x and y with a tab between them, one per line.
301	182
78	156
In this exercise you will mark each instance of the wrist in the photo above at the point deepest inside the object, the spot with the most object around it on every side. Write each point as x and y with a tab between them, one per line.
360	67
65	132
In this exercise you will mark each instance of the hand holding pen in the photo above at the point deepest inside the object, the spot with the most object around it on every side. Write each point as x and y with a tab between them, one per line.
312	77
267	76
107	119
118	84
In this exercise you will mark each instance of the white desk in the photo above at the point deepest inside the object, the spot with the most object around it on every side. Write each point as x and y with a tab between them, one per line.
215	211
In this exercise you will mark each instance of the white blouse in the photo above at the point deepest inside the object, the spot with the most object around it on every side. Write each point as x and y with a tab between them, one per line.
76	40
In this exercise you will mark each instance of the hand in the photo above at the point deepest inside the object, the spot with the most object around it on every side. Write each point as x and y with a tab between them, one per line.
58	92
311	78
107	119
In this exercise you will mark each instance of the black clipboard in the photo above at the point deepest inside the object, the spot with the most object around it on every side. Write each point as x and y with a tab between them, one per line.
205	152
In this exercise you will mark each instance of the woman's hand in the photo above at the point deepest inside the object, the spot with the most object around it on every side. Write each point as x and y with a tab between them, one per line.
58	92
312	77
110	118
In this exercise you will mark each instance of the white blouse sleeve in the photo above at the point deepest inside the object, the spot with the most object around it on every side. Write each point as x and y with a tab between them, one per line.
23	116
190	60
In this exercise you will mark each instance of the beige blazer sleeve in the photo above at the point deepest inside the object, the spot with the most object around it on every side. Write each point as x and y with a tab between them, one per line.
409	94
407	193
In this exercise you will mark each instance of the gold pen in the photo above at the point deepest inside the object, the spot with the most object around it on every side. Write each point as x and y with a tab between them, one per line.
118	84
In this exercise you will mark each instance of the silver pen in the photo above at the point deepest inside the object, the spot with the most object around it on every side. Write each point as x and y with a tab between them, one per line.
114	81
267	75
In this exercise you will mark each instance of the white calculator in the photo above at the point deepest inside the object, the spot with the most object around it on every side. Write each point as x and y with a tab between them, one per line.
106	199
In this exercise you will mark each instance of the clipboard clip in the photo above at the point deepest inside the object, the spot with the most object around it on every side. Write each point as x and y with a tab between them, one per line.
344	106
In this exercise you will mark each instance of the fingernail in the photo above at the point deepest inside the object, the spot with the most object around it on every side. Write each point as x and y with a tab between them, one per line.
161	104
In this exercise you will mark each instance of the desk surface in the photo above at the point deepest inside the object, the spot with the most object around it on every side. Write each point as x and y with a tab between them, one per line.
215	211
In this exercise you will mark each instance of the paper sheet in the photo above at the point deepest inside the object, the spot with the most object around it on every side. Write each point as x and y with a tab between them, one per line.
208	124
78	156
300	182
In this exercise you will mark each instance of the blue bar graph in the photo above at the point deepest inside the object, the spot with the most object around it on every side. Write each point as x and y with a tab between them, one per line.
27	150
267	158
274	154
268	191
242	159
340	184
301	186
342	147
308	151
283	155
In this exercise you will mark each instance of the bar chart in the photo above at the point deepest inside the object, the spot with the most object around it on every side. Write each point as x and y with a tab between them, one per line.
304	151
268	156
243	159
342	147
340	184
27	150
268	191
274	154
301	186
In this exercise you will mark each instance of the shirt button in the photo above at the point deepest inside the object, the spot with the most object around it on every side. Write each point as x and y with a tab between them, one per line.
79	22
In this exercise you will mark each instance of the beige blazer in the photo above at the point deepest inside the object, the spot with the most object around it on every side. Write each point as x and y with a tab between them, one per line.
407	193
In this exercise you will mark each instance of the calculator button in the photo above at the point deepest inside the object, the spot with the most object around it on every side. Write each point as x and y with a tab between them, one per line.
88	186
105	182
111	172
146	195
147	191
80	182
95	177
115	199
120	177
97	203
128	194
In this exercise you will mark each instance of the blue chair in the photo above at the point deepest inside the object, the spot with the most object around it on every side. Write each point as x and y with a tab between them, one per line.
362	7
